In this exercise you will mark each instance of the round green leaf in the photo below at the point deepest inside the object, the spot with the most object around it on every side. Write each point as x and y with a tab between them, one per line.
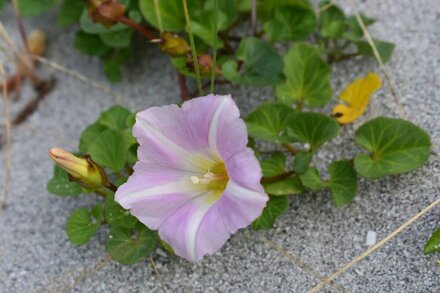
311	179
288	186
115	118
307	77
395	146
433	243
89	135
274	165
90	44
171	13
313	128
129	246
343	182
270	121
261	64
302	161
115	215
118	39
332	20
109	149
82	224
61	185
290	23
275	207
70	12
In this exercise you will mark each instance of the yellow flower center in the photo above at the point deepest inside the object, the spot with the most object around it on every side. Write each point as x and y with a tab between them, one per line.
214	180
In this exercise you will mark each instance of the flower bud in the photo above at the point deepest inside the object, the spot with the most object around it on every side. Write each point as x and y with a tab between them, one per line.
205	64
84	170
37	42
174	45
105	12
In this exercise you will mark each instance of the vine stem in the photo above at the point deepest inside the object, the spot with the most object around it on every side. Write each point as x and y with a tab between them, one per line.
125	20
214	48
193	47
110	186
277	178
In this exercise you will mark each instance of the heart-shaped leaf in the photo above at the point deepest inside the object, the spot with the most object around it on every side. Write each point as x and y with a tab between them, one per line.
343	182
129	246
90	44
307	77
332	20
301	161
82	224
109	149
313	128
395	146
61	185
311	179
290	23
89	135
275	207
259	64
115	118
270	121
115	215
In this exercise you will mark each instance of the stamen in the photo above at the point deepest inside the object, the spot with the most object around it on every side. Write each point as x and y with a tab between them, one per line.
195	179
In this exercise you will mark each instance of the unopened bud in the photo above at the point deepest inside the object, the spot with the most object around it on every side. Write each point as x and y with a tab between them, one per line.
37	42
205	65
174	45
105	12
84	170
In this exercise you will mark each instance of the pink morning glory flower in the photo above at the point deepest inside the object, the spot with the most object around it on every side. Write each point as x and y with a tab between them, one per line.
196	181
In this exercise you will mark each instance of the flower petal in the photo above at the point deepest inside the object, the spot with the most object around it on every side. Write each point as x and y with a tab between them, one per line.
216	123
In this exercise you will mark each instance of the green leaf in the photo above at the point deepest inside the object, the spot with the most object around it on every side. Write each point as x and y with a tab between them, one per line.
89	135
115	215
274	165
203	26
313	128
118	39
2	3
82	224
433	244
129	246
354	32
35	7
343	182
308	77
90	44
290	23
270	121
288	186
302	161
395	146
171	13
385	49
115	118
267	8
275	207
61	185
109	150
70	12
260	64
332	20
229	8
113	63
311	179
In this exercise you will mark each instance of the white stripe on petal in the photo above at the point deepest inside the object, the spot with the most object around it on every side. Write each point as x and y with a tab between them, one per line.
165	141
204	204
214	125
180	186
240	192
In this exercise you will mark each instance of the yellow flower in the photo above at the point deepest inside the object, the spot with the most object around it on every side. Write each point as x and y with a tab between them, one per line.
356	97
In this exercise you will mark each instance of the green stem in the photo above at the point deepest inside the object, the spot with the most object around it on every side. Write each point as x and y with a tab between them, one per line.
138	27
277	178
111	187
214	47
193	47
